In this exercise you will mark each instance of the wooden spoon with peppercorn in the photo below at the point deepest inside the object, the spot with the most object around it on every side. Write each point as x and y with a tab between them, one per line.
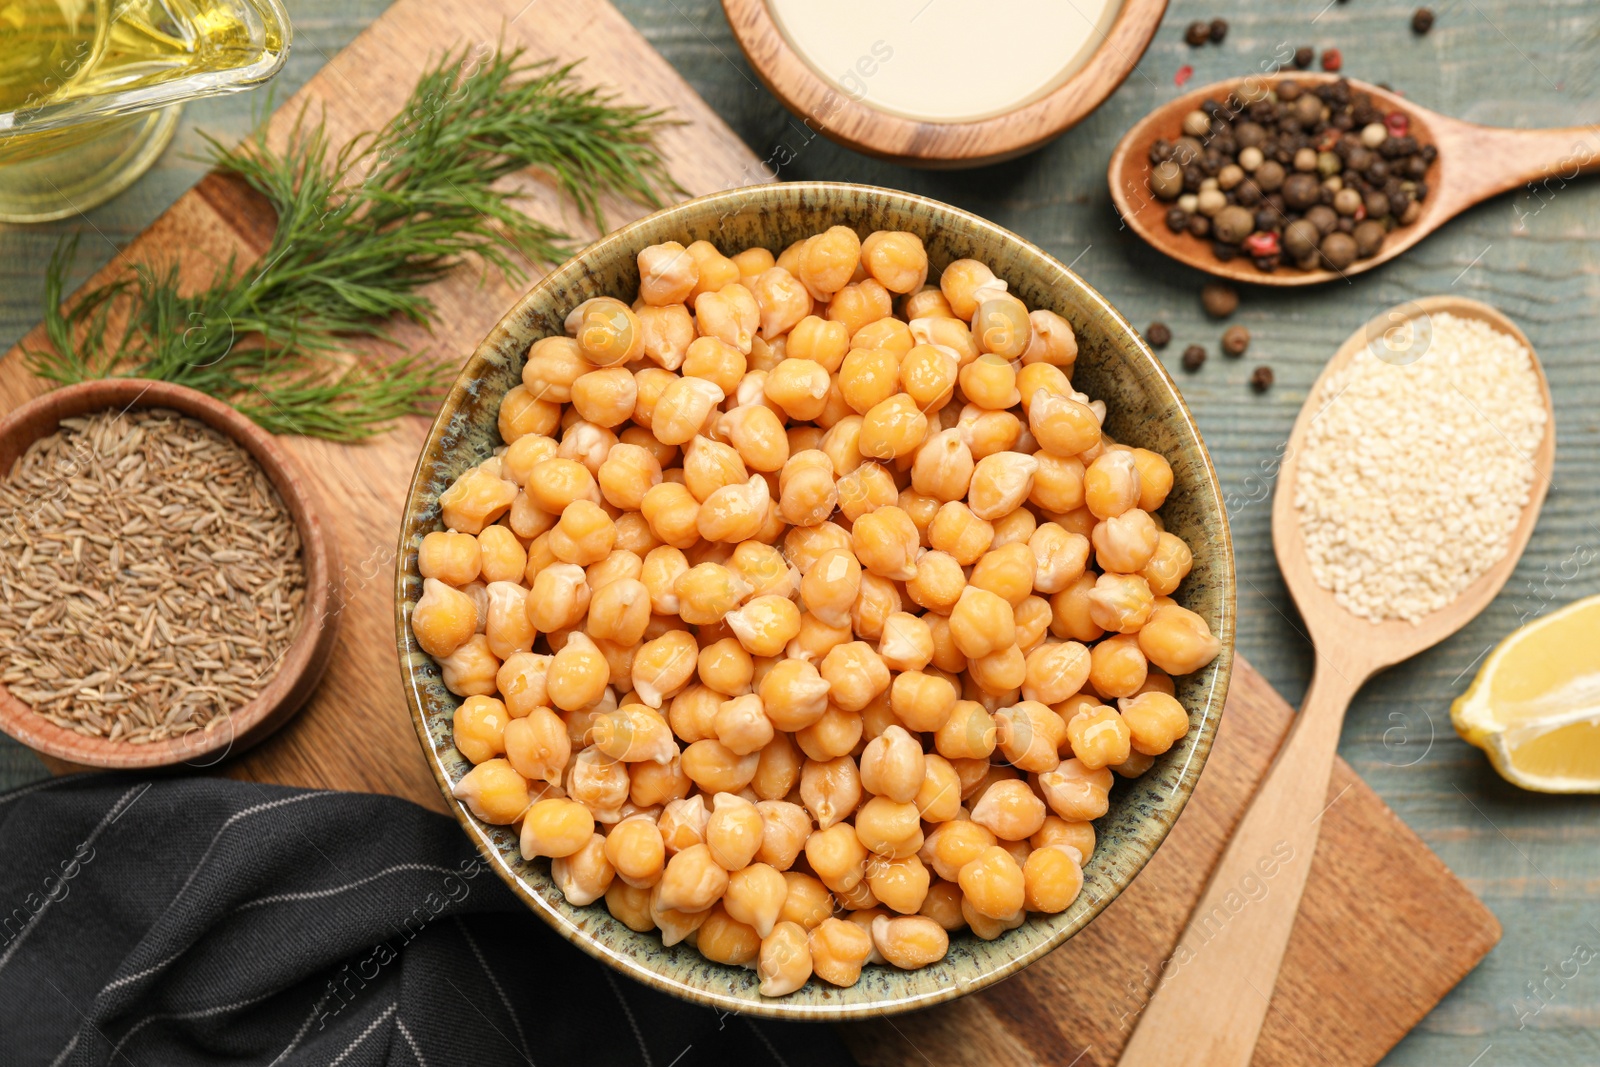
1276	145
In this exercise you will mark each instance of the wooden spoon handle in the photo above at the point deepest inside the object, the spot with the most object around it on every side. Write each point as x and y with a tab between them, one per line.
1214	991
1485	160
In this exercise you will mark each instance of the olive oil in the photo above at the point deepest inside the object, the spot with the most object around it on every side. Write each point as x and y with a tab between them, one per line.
80	82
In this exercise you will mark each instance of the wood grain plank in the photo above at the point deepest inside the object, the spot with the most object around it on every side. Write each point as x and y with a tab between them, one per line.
1071	1006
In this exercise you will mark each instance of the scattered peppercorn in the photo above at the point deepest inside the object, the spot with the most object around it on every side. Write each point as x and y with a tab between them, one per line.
1235	339
1158	335
1193	357
1303	56
1261	379
1197	34
1219	300
1219	30
1332	60
1422	21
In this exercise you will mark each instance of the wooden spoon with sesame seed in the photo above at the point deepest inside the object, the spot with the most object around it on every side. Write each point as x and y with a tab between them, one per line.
1475	163
1219	982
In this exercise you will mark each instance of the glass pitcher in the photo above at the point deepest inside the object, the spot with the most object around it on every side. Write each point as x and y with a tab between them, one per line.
90	89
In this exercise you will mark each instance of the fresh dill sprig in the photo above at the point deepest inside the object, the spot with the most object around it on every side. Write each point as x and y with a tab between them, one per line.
360	231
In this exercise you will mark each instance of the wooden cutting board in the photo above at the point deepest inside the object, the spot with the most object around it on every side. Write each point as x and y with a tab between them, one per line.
1385	929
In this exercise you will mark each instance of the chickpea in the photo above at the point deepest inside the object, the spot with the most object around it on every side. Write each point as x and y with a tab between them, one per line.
785	960
584	876
553	484
896	259
752	261
899	884
650	383
444	619
829	261
892	765
1056	672
889	828
742	725
757	434
860	304
1058	831
537	746
799	387
556	827
842	444
493	791
1168	566
1010	810
1070	611
1120	602
600	783
906	643
470	670
630	906
993	884
960	282
1000	483
479	727
831	790
683	823
675	925
806	488
1064	425
1176	640
943	467
636	851
945	332
837	856
943	906
982	622
667	274
855	675
785	826
1117	665
1111	485
682	409
1135	765
838	951
893	428
1155	478
878	600
1099	737
777	769
663	666
522	414
821	341
1018	527
835	734
1029	735
969	733
1052	878
1155	721
1126	543
520	681
475	500
715	269
886	542
922	700
866	489
953	845
733	832
715	768
868	377
1007	571
553	364
692	880
450	557
1075	792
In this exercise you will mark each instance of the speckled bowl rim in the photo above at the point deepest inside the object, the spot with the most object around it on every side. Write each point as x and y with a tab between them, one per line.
1159	795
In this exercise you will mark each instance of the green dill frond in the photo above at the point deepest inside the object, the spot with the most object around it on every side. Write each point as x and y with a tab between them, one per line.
361	230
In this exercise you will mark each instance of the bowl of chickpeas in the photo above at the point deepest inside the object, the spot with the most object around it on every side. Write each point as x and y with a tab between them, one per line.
815	601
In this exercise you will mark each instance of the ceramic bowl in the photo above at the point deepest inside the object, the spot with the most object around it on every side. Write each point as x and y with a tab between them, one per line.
308	653
1113	364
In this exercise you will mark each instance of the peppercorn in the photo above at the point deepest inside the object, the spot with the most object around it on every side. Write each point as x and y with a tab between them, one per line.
1197	34
1193	358
1338	249
1233	223
1177	219
1235	339
1219	30
1332	60
1261	378
1219	300
1303	56
1158	334
1422	21
1199	226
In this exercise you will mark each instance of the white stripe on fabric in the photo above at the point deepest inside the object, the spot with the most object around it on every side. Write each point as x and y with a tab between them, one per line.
628	1011
318	894
200	1014
363	1035
118	983
18	794
61	1057
299	1035
406	1033
110	817
765	1040
527	1054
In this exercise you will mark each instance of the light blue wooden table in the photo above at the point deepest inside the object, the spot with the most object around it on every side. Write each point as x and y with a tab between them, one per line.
1533	859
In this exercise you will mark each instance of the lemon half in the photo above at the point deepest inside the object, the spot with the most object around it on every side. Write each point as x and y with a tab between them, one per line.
1535	705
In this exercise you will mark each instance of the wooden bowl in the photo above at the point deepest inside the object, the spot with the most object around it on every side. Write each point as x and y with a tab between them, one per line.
307	655
1113	363
940	145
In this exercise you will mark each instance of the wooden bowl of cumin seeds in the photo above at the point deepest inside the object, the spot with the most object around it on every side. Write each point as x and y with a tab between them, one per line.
166	588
